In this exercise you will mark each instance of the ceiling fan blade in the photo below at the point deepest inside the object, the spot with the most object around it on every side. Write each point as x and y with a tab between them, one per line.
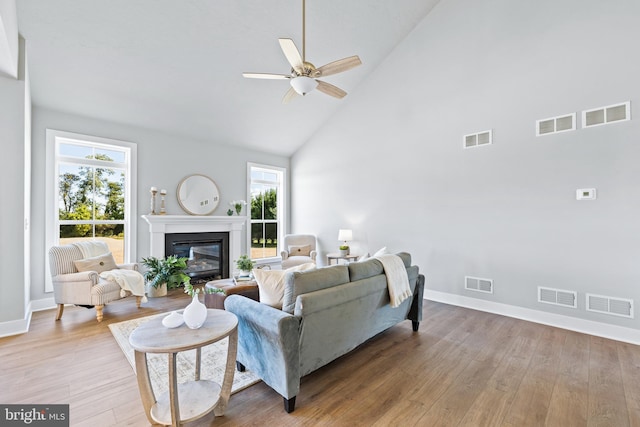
339	66
292	53
330	89
291	93
266	76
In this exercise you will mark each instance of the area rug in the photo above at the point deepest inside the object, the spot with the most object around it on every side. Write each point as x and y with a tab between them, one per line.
214	357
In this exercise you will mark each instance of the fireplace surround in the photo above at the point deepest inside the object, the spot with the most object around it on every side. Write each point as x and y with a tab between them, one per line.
161	225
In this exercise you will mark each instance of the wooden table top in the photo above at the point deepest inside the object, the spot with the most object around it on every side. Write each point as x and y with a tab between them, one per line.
153	337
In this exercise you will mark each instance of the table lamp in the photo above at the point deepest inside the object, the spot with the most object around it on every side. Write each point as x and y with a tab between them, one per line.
345	236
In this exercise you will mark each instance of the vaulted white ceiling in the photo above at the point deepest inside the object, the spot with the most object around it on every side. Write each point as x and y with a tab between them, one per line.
176	65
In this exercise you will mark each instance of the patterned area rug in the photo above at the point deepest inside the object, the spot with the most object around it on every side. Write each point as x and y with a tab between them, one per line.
214	357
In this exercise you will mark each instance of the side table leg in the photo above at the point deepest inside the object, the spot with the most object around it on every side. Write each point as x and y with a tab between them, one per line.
230	370
174	401
144	384
198	362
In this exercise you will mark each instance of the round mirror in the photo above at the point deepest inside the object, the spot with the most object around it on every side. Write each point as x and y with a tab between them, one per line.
198	195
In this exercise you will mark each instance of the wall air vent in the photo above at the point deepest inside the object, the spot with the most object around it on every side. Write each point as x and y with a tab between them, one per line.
478	284
478	139
556	124
609	305
557	297
606	115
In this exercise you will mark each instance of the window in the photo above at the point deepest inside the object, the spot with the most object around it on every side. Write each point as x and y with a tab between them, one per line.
90	194
267	207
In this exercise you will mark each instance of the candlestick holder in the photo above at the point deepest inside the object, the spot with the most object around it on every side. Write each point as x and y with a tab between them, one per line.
163	193
153	200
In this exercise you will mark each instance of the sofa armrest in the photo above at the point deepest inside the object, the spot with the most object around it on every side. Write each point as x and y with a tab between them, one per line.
130	266
268	343
74	288
83	276
313	255
284	254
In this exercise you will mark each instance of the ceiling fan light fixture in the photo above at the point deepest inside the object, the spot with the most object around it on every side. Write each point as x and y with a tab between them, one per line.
303	84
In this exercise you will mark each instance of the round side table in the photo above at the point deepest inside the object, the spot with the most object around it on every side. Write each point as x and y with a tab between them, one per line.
194	399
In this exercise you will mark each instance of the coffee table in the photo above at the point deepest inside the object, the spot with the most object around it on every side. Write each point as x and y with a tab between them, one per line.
194	399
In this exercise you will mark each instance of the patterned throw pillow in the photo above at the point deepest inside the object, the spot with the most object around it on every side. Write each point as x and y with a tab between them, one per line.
300	250
98	264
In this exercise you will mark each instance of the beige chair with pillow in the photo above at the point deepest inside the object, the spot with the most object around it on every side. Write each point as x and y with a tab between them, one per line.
75	272
298	249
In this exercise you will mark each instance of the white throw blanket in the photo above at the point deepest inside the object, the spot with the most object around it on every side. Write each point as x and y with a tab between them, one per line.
92	248
129	280
397	278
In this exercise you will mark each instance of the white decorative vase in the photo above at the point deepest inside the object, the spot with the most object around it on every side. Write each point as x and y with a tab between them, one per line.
195	313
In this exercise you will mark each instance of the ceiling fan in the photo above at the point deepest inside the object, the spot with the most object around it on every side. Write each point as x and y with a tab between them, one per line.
304	75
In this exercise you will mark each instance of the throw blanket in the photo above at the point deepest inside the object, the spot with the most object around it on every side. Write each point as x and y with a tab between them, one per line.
92	248
129	280
397	278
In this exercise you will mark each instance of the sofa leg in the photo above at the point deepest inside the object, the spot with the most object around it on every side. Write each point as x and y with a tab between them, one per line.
240	366
416	325
138	301
289	404
99	314
59	311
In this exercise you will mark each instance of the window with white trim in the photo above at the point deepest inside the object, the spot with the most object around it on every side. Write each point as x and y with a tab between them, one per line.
91	192
266	209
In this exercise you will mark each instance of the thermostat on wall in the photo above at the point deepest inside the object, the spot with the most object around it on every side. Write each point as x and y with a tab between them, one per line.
586	194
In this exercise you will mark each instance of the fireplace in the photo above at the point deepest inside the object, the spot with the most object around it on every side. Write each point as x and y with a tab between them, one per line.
207	253
232	226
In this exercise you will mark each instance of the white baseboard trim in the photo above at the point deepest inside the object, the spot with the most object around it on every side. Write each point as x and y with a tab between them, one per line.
43	304
16	327
618	333
21	326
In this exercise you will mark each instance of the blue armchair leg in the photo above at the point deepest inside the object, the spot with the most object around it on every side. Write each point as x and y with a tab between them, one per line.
289	404
240	367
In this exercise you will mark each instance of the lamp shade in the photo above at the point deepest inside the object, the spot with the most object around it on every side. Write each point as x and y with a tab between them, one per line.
303	85
345	235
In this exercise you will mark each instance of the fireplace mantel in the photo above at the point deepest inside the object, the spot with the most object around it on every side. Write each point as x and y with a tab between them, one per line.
159	225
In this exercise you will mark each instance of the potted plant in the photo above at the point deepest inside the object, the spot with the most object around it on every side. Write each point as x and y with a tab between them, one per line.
344	250
245	265
163	274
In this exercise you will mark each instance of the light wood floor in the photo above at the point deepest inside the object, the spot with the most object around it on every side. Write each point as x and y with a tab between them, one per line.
464	368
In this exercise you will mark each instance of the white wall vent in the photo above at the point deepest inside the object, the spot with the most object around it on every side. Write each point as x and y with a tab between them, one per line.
557	297
609	305
606	115
478	284
478	139
556	124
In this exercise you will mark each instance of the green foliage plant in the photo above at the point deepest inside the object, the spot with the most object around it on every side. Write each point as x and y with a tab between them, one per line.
195	290
170	270
344	247
245	263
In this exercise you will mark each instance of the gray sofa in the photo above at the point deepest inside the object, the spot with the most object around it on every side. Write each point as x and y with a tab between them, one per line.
326	313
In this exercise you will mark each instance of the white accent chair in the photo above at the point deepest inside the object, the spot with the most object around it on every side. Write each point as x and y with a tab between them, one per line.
85	288
298	249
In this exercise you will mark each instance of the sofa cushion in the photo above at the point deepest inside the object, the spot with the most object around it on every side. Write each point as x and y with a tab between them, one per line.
271	283
372	267
301	282
98	263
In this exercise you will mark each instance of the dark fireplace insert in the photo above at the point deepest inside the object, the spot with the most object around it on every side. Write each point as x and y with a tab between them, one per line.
207	253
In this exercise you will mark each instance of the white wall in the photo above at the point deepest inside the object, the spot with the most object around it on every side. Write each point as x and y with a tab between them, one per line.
390	165
9	50
14	125
163	160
